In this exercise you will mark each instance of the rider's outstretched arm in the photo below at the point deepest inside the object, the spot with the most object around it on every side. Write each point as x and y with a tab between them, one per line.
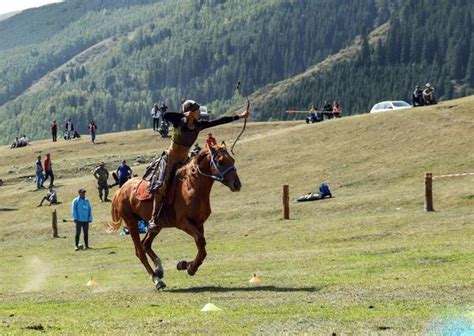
219	121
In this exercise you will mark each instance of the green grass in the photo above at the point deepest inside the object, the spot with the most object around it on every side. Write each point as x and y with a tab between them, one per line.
368	261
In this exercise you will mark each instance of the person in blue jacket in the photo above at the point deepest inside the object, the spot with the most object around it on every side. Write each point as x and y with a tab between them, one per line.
82	216
124	173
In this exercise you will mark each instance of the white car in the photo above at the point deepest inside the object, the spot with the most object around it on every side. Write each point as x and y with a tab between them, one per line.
390	105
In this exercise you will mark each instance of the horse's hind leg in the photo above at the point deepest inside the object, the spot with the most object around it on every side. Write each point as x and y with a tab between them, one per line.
140	252
146	242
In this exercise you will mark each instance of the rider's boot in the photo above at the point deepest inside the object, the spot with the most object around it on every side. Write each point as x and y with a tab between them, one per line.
157	206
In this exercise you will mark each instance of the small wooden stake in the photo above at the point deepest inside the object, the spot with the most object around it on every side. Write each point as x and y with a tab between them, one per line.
429	192
55	224
286	202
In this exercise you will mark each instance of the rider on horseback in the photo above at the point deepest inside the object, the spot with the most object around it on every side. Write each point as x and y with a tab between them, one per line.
186	128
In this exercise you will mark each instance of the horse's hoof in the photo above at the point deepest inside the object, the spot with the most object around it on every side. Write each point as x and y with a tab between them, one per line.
191	271
160	285
182	265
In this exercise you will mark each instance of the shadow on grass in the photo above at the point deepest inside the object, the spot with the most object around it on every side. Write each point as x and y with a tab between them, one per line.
8	209
218	289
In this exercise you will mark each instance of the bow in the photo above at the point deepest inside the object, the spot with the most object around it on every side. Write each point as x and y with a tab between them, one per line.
245	120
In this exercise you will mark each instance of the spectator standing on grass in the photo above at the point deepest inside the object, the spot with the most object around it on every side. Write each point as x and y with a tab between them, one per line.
48	171
69	129
39	173
417	97
54	130
124	173
92	129
82	216
163	108
102	175
155	115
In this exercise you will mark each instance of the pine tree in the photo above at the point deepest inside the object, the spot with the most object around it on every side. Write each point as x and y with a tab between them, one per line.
469	77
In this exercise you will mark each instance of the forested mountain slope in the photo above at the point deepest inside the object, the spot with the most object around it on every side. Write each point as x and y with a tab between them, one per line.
197	49
426	42
170	50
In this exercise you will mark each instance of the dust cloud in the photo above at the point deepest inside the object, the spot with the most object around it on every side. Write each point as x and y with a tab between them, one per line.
37	273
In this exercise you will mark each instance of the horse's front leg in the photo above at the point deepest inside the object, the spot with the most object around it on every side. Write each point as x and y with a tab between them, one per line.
198	235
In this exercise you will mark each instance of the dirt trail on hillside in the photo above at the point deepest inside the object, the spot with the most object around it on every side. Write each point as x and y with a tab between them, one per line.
79	60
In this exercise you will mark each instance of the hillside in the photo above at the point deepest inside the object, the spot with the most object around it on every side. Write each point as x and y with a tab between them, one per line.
7	15
367	261
263	100
424	43
199	49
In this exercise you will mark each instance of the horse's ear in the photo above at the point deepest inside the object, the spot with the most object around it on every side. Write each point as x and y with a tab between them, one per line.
223	144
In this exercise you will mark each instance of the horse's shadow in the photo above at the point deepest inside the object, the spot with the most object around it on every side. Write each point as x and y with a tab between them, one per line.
218	289
8	209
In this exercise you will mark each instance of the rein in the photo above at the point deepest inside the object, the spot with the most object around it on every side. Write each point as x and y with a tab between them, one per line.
213	163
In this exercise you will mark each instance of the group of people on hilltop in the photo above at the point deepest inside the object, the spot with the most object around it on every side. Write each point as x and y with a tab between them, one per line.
70	132
20	142
423	97
328	111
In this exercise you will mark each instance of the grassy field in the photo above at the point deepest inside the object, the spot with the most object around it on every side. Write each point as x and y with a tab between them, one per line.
369	261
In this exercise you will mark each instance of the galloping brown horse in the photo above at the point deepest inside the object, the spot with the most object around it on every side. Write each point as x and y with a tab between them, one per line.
188	211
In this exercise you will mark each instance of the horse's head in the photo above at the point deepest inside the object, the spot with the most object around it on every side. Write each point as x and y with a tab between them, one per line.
219	166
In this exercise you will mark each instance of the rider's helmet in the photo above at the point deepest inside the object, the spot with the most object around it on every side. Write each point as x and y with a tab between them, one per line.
189	106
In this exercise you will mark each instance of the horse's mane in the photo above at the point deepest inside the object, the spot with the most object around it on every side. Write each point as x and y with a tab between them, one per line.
195	160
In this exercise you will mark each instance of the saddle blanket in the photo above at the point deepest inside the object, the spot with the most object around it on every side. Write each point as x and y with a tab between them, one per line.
142	192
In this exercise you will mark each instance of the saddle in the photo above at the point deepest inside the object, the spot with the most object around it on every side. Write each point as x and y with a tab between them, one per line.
142	193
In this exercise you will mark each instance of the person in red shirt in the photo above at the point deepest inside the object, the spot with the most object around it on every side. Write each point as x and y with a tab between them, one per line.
336	110
48	170
210	141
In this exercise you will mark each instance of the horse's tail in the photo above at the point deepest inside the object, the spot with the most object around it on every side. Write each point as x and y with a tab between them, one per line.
116	218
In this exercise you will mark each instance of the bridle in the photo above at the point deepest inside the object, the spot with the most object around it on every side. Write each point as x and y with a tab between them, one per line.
212	163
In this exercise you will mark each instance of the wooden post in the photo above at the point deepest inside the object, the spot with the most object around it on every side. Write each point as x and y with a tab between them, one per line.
429	192
55	224
286	202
